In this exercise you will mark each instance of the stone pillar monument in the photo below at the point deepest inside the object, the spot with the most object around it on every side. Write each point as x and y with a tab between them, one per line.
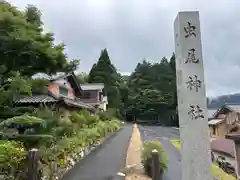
192	103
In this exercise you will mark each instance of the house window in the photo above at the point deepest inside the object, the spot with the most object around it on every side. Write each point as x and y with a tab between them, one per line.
86	95
214	130
63	91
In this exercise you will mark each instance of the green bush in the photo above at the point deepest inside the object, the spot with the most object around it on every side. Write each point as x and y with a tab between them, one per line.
12	157
146	156
104	116
110	114
23	121
56	139
79	119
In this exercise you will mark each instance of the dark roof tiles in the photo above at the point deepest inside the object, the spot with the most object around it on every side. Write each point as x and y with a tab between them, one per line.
223	145
36	99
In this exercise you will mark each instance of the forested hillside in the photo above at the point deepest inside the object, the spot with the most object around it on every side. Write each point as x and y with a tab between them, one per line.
148	93
152	90
225	99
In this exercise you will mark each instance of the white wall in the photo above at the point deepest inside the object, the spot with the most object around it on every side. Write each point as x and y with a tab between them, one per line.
104	103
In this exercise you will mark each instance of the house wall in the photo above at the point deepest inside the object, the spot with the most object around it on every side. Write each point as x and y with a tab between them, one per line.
221	116
93	96
54	88
232	117
223	128
95	99
104	103
103	106
220	130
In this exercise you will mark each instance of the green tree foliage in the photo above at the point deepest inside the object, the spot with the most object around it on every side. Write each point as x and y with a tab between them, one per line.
24	45
33	16
151	90
26	50
105	72
82	78
9	91
39	85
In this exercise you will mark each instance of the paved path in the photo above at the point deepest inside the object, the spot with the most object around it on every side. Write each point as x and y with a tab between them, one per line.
164	134
104	163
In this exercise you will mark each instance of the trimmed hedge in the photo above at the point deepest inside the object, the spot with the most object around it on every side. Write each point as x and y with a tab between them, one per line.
62	143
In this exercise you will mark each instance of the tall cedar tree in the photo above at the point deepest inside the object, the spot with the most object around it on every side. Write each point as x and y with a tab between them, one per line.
105	72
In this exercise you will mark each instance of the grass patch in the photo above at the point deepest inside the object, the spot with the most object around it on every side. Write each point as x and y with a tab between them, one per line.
176	143
217	171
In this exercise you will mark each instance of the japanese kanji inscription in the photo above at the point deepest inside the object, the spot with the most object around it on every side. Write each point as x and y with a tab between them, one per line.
194	83
195	112
190	30
191	58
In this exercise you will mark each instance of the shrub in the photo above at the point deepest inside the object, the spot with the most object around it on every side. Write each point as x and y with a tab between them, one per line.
104	116
57	140
110	114
23	121
146	156
12	157
115	124
79	119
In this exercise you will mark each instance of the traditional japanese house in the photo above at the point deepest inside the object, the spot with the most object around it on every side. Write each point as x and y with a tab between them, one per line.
93	94
63	94
225	121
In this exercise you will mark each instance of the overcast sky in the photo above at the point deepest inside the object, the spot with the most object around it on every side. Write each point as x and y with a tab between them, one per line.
132	30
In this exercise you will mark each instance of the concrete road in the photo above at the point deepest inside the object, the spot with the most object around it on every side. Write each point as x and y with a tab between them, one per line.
164	134
161	131
106	162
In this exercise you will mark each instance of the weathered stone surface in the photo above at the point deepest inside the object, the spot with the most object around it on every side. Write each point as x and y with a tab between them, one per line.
192	107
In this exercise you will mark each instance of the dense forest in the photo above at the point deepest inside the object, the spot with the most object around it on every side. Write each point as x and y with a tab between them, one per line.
149	93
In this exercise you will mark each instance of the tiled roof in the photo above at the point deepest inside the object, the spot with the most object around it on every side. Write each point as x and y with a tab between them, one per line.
215	121
47	98
36	99
92	86
234	107
78	103
223	145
